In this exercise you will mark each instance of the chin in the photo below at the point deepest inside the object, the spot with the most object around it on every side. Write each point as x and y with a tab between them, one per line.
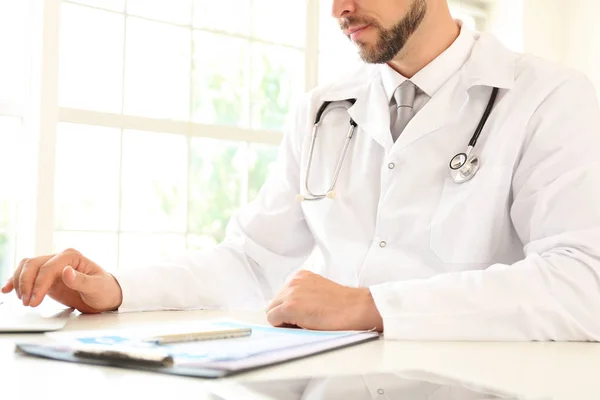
364	48
366	52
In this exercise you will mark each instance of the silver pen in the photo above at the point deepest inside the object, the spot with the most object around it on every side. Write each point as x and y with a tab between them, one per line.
200	335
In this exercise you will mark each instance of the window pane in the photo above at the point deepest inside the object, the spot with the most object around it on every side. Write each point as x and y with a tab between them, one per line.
87	177
217	176
91	59
7	213
99	247
7	258
177	11
158	59
221	84
10	151
261	162
210	14
115	5
280	21
12	51
277	75
139	250
154	182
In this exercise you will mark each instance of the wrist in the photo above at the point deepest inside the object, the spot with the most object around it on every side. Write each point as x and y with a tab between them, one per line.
369	316
117	298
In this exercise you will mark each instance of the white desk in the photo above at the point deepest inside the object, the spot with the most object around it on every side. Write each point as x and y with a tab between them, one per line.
561	371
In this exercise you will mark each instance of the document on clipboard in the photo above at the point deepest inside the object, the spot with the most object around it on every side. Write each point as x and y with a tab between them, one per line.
265	346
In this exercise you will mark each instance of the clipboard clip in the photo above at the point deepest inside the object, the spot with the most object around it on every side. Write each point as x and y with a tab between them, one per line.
117	354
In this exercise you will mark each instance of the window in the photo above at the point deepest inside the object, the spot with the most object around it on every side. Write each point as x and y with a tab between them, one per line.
9	136
170	114
156	121
13	87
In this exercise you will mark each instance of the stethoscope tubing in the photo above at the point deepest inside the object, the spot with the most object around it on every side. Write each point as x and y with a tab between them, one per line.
465	158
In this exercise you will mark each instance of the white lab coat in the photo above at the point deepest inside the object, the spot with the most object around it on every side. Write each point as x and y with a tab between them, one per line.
513	254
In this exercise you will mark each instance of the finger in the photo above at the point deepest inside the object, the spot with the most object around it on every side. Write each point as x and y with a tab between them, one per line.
295	283
280	297
277	300
49	272
16	275
8	286
282	315
275	316
28	276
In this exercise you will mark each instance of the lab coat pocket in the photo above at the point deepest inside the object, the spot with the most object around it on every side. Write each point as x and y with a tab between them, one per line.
470	217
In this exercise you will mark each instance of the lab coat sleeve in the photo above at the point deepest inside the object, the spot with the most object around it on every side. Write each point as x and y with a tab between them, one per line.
552	294
265	242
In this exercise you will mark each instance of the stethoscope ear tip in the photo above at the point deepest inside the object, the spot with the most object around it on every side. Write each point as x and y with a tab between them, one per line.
331	195
299	198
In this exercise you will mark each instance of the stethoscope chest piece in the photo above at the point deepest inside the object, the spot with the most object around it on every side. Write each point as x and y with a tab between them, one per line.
464	166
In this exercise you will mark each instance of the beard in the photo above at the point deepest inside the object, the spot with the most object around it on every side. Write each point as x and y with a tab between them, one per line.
390	41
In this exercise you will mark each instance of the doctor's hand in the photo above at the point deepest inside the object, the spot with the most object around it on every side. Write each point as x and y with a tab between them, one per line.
67	277
311	301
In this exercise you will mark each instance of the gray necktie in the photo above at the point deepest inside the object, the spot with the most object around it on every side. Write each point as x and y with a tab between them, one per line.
402	108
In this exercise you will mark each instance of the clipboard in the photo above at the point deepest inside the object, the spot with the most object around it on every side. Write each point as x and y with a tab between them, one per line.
161	360
59	353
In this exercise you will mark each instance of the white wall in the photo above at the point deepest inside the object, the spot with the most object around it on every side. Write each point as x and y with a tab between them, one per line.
564	31
583	44
506	22
544	27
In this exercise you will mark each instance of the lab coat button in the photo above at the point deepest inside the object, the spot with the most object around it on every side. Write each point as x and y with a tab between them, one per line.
382	244
380	391
391	165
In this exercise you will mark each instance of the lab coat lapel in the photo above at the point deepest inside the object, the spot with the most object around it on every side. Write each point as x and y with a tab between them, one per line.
491	64
445	107
370	111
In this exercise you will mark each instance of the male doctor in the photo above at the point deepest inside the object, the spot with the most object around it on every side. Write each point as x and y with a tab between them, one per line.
512	254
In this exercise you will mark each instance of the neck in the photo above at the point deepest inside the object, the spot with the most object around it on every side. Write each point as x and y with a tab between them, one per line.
437	32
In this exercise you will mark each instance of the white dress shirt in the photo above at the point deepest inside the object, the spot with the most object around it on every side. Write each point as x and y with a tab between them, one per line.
435	74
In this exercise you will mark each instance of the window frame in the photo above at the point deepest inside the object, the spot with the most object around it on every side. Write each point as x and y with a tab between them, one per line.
49	114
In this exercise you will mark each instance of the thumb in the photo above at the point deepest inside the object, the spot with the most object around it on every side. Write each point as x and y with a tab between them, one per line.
76	280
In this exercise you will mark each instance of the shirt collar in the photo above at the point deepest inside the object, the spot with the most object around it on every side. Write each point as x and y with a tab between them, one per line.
433	76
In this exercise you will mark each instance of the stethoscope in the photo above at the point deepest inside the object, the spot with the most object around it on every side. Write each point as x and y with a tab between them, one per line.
463	166
323	110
